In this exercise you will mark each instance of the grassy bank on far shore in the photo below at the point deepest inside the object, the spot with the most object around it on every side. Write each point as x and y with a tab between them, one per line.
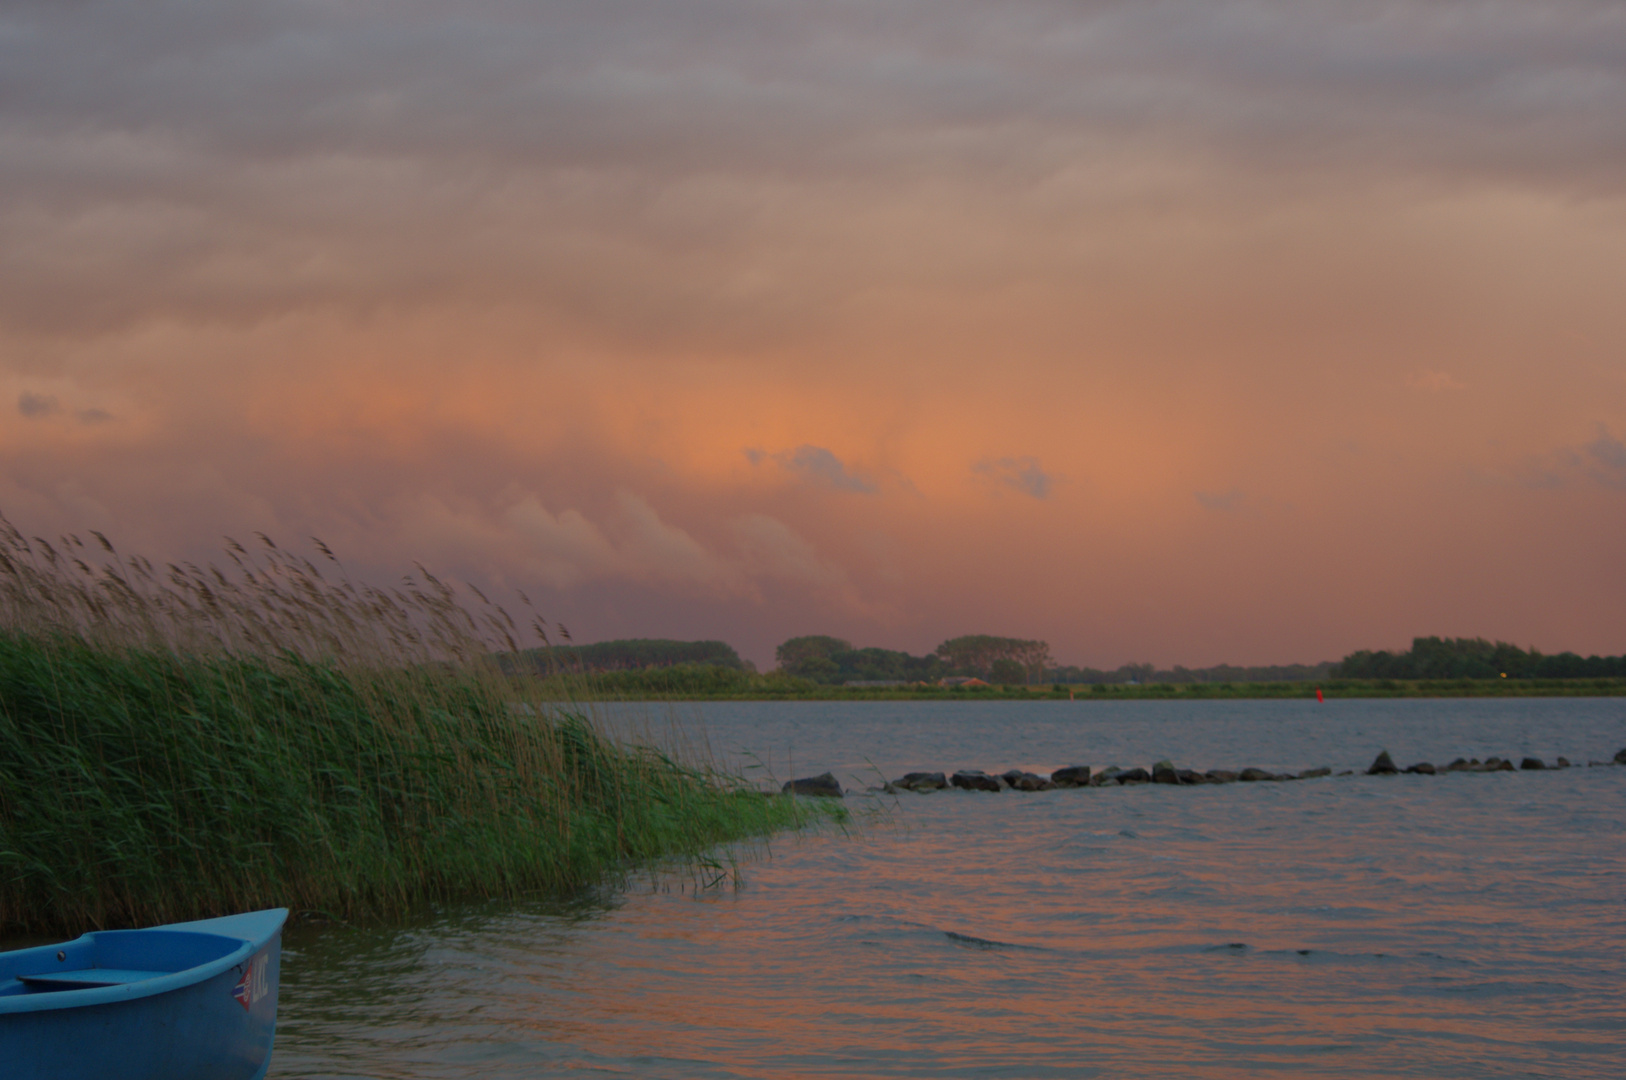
696	683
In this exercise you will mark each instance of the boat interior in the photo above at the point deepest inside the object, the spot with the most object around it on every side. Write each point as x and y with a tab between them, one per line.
108	958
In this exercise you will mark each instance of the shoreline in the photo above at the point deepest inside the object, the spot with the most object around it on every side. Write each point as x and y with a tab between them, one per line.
598	691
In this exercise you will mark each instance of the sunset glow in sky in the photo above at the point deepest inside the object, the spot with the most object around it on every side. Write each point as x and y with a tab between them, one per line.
1188	332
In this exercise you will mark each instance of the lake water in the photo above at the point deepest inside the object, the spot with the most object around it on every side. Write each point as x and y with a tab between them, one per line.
1465	925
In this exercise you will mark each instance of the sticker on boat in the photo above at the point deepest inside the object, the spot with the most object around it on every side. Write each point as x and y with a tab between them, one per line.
251	987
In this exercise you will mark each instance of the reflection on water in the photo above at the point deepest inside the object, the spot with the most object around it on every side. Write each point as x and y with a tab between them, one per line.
1463	925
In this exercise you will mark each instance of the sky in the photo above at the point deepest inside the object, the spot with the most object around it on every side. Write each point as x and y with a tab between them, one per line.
1181	332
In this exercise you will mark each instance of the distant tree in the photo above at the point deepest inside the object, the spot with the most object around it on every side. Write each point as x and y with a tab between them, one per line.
974	654
1475	658
1007	672
809	656
631	654
1135	673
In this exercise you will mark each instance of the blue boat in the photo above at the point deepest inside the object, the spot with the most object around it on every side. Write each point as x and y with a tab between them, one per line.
189	1001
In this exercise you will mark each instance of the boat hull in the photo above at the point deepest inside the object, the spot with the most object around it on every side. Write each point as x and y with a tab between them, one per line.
214	1020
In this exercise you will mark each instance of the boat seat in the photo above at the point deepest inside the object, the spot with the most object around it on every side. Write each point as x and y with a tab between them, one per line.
86	978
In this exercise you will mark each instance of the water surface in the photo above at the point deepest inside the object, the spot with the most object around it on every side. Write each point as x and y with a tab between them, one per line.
1452	926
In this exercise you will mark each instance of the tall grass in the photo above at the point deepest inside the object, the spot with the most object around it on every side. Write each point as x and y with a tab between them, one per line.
183	742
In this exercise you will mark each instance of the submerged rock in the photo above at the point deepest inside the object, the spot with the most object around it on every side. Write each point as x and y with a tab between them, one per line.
1562	763
1312	774
921	781
1532	763
1220	776
974	780
1493	764
1071	776
1251	775
1423	767
1382	765
824	785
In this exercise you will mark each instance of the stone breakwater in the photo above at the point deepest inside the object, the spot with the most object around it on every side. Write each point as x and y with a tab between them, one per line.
1164	772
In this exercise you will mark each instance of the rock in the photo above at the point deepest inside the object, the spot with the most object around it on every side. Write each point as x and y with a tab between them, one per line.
1347	772
1459	765
1382	765
1494	764
974	780
1163	773
1532	763
1071	776
1422	767
1108	775
1137	775
825	786
1620	757
1251	775
1311	774
1220	776
921	781
1562	763
1190	776
1026	781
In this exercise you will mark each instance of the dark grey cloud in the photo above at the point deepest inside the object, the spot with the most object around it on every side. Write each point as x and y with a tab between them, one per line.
1604	459
34	405
1220	500
732	83
820	466
236	162
1022	474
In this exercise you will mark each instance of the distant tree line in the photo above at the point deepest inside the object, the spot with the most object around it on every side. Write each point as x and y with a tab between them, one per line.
1145	674
633	654
833	660
703	666
1007	661
1476	658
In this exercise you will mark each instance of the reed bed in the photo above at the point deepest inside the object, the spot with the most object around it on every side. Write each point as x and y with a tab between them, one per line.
180	742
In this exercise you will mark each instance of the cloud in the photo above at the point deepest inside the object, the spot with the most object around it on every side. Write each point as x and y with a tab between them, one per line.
1433	381
34	405
567	550
1222	500
1601	461
1022	474
819	466
773	549
1604	459
564	549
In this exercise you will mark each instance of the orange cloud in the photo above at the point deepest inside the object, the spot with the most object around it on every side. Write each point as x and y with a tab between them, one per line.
1089	327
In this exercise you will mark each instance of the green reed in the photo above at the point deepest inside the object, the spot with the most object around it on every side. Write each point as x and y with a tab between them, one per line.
181	743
